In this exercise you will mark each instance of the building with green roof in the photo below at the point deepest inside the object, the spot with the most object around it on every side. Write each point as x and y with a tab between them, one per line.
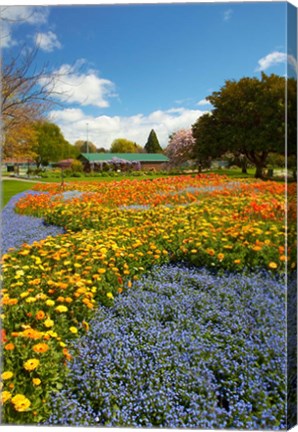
123	161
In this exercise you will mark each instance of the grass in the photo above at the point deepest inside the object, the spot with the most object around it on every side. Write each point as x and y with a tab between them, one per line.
13	187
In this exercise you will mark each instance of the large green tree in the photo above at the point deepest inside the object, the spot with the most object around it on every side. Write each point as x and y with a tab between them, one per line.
123	145
248	118
152	145
51	146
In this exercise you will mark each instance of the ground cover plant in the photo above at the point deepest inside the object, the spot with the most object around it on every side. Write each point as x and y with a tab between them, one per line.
184	348
112	234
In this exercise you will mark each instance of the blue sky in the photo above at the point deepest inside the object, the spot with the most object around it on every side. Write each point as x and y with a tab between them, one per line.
130	68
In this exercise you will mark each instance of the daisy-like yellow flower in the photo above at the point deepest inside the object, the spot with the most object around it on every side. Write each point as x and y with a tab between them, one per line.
272	265
31	364
48	323
50	302
20	402
73	330
110	295
101	270
5	396
36	381
61	308
6	375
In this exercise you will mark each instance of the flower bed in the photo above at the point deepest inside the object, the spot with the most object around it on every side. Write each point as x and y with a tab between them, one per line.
184	348
113	234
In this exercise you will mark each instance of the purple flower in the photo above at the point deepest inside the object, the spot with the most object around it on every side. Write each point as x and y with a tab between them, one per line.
18	229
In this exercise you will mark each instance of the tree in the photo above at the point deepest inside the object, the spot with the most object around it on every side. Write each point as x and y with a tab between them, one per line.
248	118
82	146
122	145
26	96
180	148
152	145
51	146
208	144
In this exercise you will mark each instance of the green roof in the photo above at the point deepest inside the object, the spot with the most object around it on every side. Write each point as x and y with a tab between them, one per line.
131	157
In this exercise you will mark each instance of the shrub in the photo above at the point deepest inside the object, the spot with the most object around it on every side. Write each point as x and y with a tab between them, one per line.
76	166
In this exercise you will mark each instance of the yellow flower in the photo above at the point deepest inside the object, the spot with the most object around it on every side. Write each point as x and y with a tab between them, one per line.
21	403
30	300
110	295
101	271
272	265
5	396
50	302
237	261
6	375
36	381
61	308
73	330
48	323
31	364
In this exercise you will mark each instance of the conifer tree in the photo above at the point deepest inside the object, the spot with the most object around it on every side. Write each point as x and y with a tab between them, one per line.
152	145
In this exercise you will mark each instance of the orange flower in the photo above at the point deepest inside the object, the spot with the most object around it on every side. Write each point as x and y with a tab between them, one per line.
40	348
31	333
9	347
40	315
210	252
66	354
220	256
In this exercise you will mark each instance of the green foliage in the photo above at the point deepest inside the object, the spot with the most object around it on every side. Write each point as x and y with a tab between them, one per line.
248	118
76	166
123	145
51	146
83	147
152	145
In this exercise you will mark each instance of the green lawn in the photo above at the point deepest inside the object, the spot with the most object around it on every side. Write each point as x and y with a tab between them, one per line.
13	187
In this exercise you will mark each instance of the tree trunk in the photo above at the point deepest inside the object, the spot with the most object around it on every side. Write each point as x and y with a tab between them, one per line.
244	166
259	171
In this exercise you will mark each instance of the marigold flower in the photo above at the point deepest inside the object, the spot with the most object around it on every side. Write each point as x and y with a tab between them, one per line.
6	375
36	381
40	348
101	270
40	315
272	265
31	333
61	308
220	256
50	302
48	323
237	261
73	330
5	396
31	364
9	347
20	402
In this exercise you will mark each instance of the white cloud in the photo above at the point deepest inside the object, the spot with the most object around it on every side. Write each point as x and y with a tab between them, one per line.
275	58
227	14
203	102
103	130
270	60
47	41
12	16
74	86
